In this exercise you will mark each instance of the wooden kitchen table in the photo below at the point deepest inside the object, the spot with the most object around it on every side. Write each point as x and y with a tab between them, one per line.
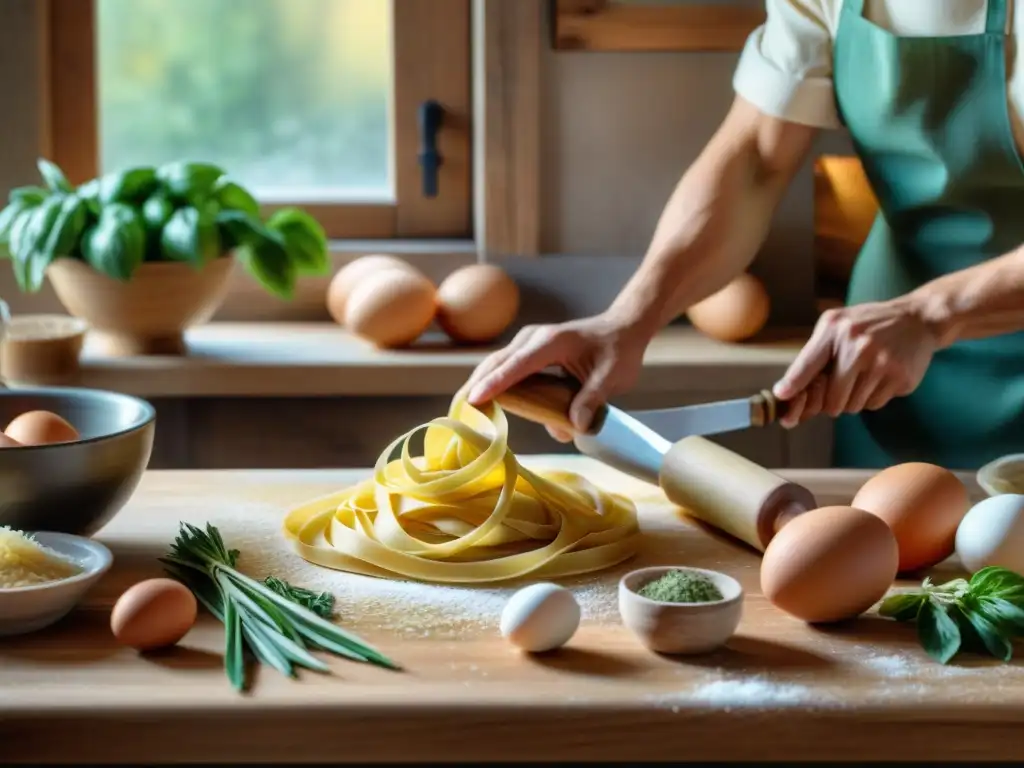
779	690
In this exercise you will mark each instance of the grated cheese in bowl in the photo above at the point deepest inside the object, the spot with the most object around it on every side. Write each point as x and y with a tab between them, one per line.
24	562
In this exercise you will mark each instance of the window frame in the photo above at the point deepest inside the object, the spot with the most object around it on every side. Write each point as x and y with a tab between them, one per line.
432	60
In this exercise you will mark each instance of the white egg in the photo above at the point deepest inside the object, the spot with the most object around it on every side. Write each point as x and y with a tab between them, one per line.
540	617
992	533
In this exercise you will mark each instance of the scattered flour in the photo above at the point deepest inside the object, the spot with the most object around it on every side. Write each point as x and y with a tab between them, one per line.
748	692
412	608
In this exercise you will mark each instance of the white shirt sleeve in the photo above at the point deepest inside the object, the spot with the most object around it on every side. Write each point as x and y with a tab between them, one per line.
785	69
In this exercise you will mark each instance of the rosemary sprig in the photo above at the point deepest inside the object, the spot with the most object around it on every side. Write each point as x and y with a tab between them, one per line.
275	627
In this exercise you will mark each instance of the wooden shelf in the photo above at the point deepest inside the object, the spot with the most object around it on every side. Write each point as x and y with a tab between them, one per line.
322	360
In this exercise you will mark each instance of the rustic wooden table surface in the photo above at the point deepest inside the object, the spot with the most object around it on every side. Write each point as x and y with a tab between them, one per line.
779	690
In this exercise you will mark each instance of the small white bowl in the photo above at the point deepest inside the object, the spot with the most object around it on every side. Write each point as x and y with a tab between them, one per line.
27	609
680	628
1002	475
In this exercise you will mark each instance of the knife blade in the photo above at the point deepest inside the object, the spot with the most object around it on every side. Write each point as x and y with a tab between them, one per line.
635	441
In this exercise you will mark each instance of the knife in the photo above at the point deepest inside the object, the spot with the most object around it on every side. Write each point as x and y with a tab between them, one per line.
635	442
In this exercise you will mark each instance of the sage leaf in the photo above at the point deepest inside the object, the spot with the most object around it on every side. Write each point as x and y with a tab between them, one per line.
131	186
116	246
938	633
53	176
231	196
191	183
191	235
304	239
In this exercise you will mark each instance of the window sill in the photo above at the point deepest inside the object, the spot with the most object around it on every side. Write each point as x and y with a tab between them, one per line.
322	360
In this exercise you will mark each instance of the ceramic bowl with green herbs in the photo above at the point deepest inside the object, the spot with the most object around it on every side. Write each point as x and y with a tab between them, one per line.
680	610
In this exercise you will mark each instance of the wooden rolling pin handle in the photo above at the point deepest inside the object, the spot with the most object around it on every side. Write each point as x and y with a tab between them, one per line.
545	398
766	409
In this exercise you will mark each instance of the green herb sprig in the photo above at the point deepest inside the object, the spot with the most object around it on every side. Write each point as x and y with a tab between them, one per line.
273	627
983	614
320	603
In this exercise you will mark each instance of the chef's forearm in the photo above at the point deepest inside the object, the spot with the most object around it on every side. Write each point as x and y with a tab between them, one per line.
981	301
717	217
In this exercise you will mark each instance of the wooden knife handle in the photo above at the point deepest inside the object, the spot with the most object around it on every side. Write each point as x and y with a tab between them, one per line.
766	409
545	398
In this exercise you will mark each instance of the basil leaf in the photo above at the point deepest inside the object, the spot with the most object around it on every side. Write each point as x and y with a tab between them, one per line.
191	235
304	239
1004	614
938	633
19	229
994	642
189	182
156	212
69	226
131	186
8	216
117	244
903	606
32	241
53	176
994	581
238	228
266	259
29	195
90	193
232	196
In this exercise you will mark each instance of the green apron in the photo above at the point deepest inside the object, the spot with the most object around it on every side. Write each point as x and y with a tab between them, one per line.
930	122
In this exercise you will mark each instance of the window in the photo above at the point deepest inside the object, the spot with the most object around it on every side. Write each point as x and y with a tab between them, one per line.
308	102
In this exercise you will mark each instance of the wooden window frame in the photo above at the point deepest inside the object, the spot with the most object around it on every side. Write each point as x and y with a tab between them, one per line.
604	25
432	60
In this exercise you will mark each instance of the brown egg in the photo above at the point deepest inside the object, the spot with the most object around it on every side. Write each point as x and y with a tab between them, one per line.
736	312
8	442
477	303
40	428
923	505
391	307
829	564
349	276
153	614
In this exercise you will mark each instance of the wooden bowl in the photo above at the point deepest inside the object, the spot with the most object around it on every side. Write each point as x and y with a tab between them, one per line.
1002	475
680	628
41	349
148	314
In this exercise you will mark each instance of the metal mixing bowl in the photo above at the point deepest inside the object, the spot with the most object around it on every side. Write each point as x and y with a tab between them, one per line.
74	487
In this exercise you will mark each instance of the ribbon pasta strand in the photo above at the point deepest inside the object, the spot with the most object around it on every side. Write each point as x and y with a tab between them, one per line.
465	512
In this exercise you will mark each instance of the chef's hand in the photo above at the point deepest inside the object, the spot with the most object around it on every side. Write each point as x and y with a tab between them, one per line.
859	357
603	354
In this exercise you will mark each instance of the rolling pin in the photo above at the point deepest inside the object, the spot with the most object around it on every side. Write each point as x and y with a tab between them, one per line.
712	483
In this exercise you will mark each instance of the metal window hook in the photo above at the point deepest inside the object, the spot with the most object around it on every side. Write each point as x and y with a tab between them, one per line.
431	117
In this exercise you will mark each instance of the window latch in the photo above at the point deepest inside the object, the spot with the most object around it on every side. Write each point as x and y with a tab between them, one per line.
431	116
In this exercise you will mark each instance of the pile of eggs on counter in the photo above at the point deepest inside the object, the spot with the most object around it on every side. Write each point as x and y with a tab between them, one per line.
834	563
37	428
390	303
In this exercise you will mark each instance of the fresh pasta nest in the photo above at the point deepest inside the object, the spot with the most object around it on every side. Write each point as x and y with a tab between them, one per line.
466	511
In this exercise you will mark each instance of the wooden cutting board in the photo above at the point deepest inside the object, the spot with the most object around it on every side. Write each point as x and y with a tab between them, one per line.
779	689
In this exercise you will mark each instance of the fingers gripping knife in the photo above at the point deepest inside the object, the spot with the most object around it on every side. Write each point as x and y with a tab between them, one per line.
712	483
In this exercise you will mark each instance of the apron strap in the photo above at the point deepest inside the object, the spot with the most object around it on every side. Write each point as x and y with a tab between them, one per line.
995	17
856	7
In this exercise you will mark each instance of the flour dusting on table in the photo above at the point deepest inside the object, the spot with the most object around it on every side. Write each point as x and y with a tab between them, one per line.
413	608
750	692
